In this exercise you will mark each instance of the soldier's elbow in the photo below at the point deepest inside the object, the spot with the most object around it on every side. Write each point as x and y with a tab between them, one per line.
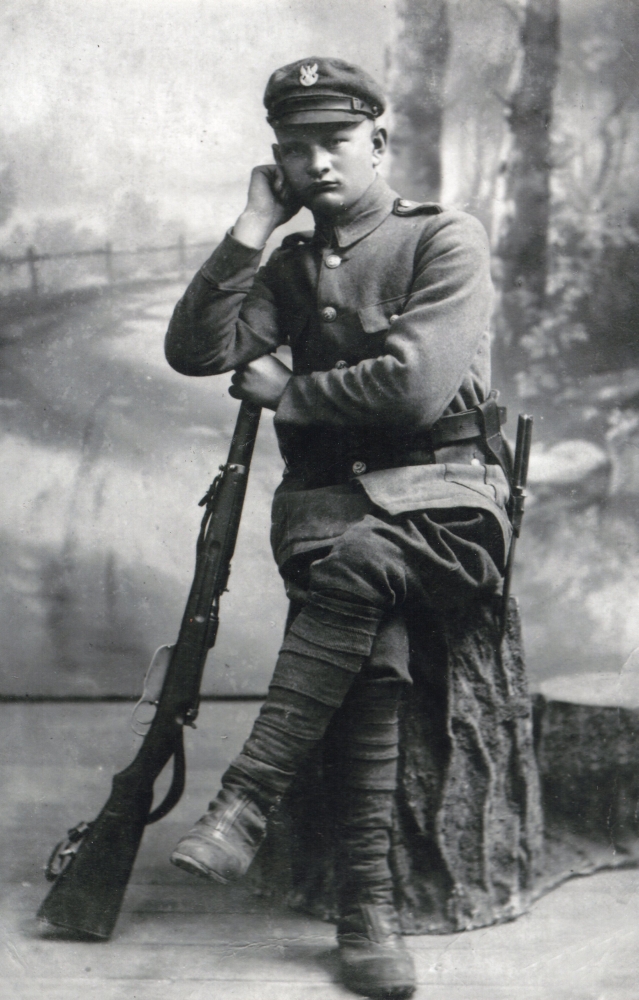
179	356
406	396
414	408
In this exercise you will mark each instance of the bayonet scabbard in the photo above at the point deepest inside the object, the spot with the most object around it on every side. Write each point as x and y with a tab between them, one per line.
517	498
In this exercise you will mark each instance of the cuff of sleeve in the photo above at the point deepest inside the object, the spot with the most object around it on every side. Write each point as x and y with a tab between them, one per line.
231	259
299	404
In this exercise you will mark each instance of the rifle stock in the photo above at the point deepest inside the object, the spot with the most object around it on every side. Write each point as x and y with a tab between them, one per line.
95	869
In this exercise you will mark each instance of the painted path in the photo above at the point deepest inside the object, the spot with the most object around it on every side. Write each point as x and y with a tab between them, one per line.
105	452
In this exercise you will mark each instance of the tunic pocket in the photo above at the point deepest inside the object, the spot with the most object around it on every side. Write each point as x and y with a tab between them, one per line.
379	317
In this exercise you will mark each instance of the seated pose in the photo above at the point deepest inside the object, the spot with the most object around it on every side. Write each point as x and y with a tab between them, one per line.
393	498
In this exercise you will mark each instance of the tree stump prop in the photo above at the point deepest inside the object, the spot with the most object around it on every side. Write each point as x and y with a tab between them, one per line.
499	801
587	736
467	843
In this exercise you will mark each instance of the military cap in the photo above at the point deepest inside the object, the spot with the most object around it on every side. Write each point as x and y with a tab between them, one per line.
321	90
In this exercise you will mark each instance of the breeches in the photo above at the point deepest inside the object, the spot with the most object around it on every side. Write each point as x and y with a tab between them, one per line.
436	559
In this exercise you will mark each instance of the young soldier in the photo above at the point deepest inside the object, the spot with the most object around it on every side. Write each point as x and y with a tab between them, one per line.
393	499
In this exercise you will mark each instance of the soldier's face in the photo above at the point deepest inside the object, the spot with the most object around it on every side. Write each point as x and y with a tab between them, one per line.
329	166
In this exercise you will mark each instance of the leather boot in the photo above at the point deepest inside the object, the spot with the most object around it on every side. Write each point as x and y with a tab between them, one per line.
374	960
223	843
322	654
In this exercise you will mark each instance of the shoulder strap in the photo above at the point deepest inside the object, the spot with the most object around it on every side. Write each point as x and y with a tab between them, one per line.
403	206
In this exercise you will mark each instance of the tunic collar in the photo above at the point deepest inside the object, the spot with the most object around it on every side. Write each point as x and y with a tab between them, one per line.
360	219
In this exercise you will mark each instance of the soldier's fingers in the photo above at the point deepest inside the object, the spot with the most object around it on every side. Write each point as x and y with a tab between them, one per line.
265	170
278	181
284	191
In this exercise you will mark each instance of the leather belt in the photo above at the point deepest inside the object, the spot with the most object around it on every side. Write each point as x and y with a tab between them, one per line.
463	436
460	427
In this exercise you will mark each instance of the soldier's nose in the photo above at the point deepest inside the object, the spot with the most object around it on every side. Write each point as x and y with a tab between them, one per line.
319	163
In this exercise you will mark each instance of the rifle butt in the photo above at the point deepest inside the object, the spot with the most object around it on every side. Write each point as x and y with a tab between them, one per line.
87	897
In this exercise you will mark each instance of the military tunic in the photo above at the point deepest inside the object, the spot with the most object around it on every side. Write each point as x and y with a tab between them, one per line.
386	315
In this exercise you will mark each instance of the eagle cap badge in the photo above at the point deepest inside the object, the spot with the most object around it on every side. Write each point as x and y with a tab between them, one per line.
308	75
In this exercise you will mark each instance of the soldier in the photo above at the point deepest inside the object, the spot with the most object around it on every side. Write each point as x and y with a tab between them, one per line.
393	498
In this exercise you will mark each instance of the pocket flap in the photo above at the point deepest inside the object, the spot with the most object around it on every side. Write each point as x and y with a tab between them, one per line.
377	318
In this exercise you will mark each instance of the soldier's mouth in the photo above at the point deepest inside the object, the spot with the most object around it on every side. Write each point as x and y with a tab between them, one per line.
321	186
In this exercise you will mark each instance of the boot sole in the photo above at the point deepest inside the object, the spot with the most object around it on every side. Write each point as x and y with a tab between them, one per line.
376	986
379	991
196	868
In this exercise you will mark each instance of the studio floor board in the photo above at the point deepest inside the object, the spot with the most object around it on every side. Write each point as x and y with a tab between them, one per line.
182	939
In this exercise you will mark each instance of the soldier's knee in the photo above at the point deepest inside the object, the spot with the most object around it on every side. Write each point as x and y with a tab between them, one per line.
361	564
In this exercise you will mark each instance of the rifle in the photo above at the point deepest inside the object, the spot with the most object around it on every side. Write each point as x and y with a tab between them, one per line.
517	498
91	869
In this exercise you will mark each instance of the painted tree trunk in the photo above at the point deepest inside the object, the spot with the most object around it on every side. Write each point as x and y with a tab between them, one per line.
416	88
522	208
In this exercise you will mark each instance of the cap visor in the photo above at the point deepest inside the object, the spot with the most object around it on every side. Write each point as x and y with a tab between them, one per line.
317	117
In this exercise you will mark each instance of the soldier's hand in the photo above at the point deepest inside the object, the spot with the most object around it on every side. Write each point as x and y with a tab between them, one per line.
262	381
271	202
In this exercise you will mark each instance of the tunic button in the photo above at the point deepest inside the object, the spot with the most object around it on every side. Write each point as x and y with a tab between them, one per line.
328	314
393	318
341	364
359	468
333	260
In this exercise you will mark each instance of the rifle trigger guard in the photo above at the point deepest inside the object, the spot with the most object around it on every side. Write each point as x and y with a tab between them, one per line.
153	681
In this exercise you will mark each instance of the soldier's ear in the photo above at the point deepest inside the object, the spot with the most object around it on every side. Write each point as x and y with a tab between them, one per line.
380	142
276	154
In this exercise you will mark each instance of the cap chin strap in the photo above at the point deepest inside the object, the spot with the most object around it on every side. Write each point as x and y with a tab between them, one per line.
321	102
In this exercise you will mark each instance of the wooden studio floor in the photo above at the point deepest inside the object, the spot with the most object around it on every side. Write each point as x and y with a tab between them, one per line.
179	938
